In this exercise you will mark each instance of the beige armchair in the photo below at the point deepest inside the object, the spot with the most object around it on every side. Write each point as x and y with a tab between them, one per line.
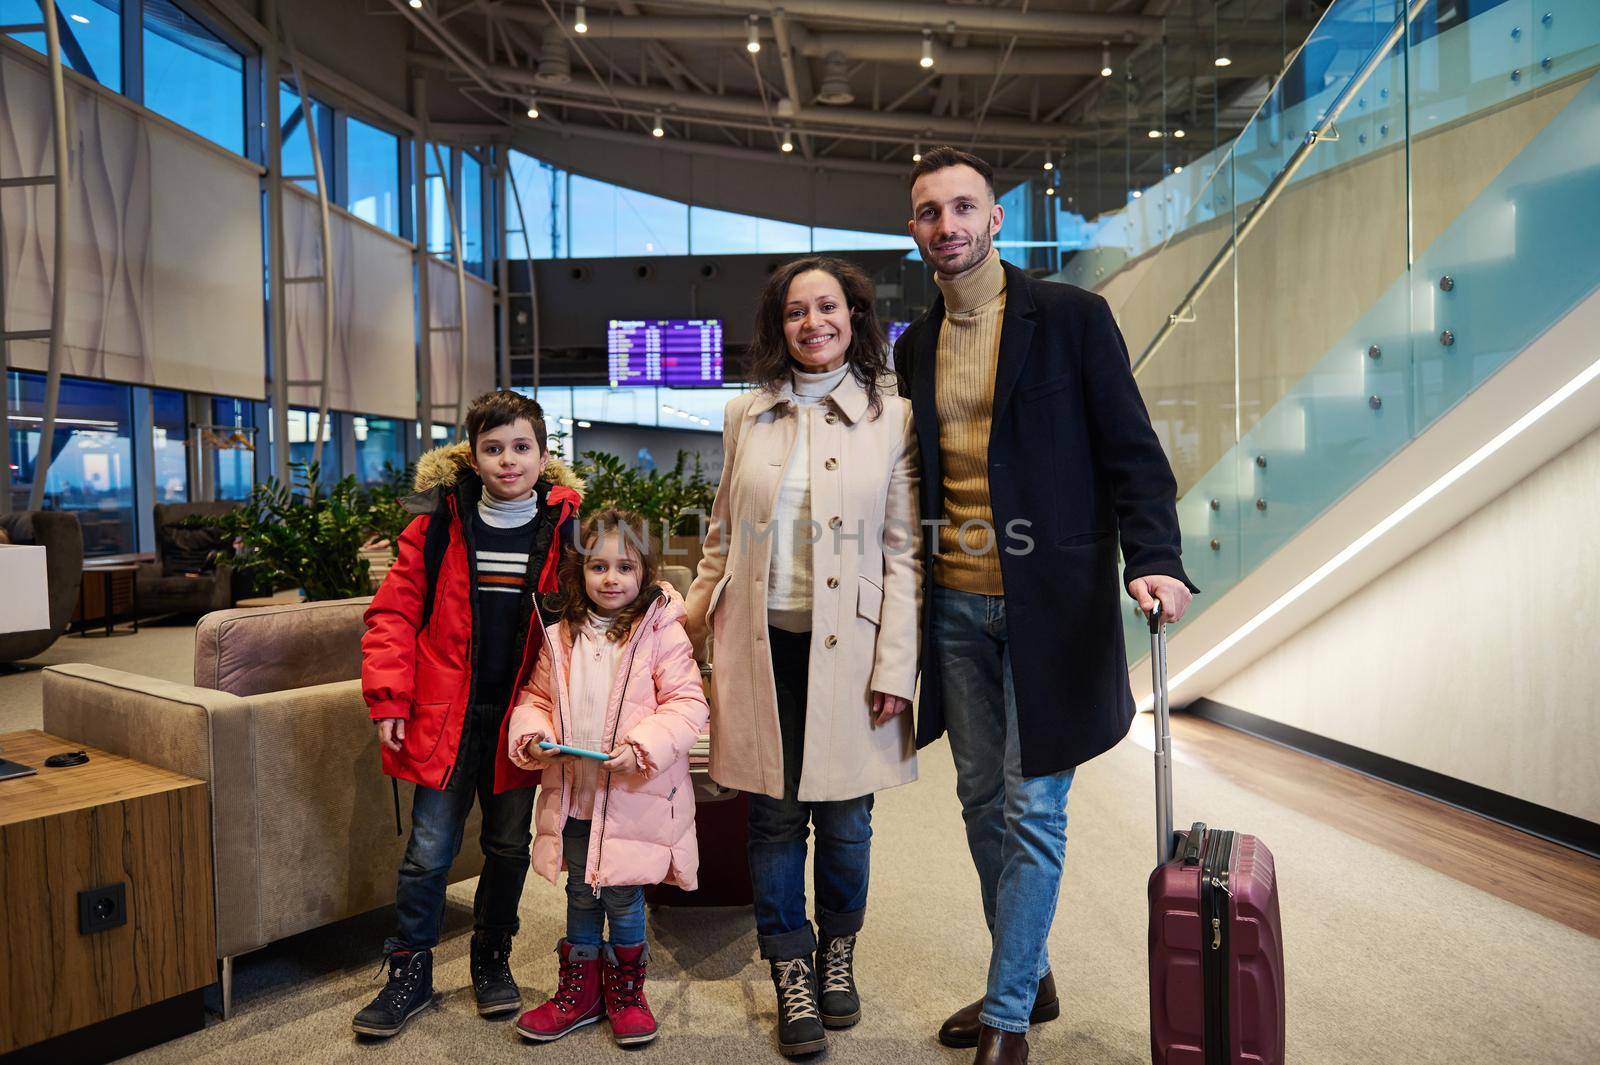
303	820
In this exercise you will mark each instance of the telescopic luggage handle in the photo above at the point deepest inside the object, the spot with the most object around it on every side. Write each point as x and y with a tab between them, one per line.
1163	733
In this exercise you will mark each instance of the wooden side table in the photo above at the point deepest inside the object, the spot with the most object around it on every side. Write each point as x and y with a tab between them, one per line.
108	575
106	904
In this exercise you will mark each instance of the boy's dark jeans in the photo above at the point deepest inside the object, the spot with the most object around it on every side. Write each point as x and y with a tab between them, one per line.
437	822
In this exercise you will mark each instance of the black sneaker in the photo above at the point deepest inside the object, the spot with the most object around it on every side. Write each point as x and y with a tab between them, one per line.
800	1028
408	992
492	983
841	1004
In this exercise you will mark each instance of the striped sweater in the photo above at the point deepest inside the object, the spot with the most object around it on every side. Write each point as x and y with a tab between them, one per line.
500	562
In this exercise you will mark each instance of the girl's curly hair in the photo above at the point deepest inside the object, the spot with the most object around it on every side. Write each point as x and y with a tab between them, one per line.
571	600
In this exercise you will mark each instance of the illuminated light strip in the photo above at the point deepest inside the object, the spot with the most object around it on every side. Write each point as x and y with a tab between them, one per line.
1421	499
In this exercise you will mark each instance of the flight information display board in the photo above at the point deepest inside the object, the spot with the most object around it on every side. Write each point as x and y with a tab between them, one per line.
674	352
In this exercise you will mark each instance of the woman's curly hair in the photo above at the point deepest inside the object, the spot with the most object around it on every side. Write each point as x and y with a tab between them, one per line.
868	353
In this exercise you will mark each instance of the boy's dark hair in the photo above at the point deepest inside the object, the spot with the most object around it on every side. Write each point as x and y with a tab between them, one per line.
944	156
867	356
503	407
572	597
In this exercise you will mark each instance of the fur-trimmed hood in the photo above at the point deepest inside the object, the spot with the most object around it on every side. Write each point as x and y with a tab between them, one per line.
442	468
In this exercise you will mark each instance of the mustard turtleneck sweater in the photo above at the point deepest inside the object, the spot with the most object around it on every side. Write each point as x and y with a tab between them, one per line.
969	350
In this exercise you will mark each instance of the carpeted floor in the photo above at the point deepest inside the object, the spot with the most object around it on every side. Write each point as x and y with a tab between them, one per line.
1388	961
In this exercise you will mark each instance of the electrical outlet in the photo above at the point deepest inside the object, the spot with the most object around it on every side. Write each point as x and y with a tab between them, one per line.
102	908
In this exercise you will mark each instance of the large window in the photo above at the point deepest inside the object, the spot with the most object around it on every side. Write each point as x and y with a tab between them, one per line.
439	233
608	220
191	76
297	160
380	445
232	448
536	205
372	171
91	456
90	32
302	443
725	233
471	201
171	431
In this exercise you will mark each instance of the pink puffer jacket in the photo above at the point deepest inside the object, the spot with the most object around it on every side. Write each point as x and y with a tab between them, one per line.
644	822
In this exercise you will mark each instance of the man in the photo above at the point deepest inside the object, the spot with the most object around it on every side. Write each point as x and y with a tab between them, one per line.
1038	457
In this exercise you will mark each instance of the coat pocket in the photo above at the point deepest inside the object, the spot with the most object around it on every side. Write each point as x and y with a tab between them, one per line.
424	731
869	600
716	595
1044	388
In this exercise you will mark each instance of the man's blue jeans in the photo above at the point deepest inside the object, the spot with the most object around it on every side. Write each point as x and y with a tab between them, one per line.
587	912
438	818
778	830
1016	825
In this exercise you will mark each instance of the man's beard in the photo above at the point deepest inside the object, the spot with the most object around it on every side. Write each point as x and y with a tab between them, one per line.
978	252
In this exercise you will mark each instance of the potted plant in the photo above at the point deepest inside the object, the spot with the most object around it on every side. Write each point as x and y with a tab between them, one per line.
310	536
675	502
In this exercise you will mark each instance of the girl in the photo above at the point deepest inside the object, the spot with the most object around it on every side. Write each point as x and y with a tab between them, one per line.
616	674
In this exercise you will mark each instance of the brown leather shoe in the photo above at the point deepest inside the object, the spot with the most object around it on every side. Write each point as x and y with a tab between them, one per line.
1000	1048
961	1029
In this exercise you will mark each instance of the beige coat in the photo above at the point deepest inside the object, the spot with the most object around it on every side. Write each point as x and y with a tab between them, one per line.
865	593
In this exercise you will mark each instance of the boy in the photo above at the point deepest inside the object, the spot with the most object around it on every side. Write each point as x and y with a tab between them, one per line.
451	635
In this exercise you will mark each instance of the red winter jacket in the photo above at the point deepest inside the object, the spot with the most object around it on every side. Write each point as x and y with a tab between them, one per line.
423	673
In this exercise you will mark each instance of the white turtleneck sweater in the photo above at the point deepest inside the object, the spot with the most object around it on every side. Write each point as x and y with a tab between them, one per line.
789	576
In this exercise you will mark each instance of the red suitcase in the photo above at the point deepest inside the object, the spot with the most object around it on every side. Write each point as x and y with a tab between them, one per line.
1216	940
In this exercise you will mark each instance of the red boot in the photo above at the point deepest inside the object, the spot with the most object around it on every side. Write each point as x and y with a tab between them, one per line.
577	1001
632	1023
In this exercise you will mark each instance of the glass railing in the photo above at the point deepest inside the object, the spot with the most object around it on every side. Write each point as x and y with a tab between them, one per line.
1358	260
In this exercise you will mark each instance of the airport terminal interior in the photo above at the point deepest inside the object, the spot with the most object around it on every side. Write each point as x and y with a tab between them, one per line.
257	258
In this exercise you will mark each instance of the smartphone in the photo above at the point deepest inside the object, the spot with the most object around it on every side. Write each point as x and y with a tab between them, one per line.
579	751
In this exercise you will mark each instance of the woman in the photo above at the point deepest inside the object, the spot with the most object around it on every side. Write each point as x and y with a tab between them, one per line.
809	589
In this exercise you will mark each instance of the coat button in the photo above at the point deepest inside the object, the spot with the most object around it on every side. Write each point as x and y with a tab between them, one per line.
831	464
830	417
830	642
835	522
833	582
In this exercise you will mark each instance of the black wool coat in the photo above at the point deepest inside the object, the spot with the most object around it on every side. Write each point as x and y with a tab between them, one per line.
1074	463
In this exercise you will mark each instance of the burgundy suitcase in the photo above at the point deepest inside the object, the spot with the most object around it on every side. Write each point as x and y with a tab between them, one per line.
1216	940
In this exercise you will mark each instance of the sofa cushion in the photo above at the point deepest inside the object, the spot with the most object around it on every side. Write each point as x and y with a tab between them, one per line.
269	649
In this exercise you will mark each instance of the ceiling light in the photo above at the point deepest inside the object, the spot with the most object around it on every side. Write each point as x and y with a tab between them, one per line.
533	108
81	19
580	20
1049	164
1137	194
1049	190
927	49
585	425
416	3
656	130
1178	169
1178	133
1155	134
753	43
788	140
1105	59
916	153
1222	59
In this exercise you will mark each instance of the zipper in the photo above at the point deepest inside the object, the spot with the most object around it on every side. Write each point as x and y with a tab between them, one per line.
605	802
1217	854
